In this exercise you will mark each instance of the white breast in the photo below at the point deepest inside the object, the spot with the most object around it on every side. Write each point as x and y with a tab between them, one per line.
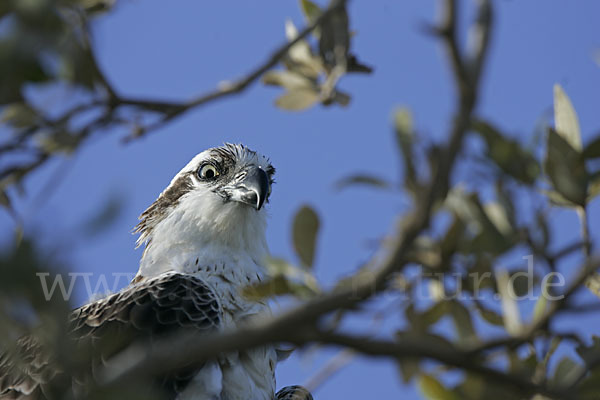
240	375
223	244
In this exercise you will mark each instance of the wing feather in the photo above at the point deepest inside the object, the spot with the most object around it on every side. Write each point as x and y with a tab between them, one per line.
145	311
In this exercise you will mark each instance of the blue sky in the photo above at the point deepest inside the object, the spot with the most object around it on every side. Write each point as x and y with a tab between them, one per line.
175	50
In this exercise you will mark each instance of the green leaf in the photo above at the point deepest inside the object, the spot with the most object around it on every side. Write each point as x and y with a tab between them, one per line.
542	229
589	387
565	118
77	66
539	310
558	199
278	266
591	353
434	390
429	317
425	252
59	141
277	286
311	10
522	281
593	284
479	266
498	216
490	316
592	150
565	167
436	288
300	57
269	288
510	310
403	124
304	231
288	79
524	367
334	41
463	324
452	240
19	115
409	368
508	154
594	186
284	278
553	346
368	180
18	66
298	99
566	372
4	200
339	97
476	387
489	225
93	7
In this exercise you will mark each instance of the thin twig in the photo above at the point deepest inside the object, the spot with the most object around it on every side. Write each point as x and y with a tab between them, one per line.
177	109
418	348
169	109
585	231
333	365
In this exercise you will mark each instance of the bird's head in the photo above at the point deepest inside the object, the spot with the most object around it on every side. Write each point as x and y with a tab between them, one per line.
217	199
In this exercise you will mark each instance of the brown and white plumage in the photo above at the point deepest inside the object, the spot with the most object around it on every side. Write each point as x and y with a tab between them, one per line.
204	241
144	312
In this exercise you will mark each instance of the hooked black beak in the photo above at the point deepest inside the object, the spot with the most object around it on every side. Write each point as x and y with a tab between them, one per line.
253	189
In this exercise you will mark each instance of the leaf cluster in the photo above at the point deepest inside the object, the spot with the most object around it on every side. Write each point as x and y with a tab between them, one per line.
311	75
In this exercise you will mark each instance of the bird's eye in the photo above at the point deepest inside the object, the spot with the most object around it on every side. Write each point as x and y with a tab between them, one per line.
208	171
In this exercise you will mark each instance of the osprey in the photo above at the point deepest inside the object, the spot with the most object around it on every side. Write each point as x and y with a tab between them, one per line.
204	241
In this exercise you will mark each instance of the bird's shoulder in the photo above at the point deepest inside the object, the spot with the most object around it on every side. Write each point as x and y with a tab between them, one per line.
144	311
152	306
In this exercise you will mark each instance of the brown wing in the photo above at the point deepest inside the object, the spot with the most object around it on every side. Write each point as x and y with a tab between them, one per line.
145	311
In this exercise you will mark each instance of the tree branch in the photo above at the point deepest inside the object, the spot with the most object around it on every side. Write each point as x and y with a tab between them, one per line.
169	109
426	349
589	268
177	109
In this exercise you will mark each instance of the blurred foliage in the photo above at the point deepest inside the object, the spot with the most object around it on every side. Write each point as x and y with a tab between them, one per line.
20	289
464	262
460	267
45	43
